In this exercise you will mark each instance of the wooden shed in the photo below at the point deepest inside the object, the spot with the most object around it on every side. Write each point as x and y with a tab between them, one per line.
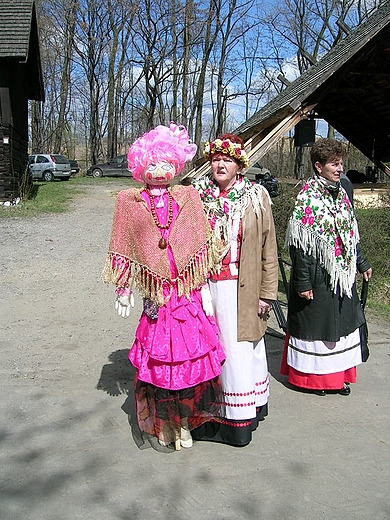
349	88
20	80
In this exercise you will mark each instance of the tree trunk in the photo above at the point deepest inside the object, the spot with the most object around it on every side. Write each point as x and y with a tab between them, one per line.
65	78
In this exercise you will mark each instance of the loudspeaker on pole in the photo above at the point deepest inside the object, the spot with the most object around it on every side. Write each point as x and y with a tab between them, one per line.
305	132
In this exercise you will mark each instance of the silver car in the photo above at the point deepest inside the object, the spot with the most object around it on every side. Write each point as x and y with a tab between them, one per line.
49	166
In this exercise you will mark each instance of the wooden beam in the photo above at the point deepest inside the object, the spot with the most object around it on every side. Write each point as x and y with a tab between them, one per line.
281	129
262	147
343	26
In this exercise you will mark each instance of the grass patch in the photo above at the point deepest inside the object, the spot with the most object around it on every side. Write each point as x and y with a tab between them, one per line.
45	197
54	197
374	227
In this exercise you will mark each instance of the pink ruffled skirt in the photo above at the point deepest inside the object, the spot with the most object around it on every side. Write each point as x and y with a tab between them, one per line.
180	348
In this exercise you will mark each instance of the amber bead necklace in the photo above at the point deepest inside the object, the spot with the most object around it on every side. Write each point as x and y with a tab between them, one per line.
162	244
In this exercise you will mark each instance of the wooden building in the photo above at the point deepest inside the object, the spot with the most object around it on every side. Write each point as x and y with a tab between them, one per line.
349	87
20	80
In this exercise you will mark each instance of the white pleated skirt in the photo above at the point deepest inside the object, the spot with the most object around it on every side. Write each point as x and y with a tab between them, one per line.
244	378
324	357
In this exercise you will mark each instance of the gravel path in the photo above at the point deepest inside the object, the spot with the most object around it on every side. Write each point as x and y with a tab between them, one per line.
61	341
67	411
52	294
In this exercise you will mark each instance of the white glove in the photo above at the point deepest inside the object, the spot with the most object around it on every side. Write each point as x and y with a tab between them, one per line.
206	301
123	304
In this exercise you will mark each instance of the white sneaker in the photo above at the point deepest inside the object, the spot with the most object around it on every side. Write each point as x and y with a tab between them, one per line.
185	438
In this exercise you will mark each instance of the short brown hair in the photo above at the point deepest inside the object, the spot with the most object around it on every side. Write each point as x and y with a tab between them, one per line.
325	150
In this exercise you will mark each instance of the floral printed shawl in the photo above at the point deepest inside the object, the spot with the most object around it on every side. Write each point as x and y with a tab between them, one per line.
221	211
324	226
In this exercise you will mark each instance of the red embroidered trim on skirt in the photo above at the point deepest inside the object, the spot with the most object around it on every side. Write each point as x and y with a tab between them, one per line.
239	405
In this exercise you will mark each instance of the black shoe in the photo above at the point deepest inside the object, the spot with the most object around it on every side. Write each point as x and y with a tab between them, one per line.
320	392
346	390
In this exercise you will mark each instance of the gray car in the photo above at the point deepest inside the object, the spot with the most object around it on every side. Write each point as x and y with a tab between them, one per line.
255	172
115	167
49	166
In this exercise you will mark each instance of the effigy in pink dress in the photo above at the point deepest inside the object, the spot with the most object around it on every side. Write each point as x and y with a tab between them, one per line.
176	352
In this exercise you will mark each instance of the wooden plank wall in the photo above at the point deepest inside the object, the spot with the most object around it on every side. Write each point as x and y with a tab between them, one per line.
13	141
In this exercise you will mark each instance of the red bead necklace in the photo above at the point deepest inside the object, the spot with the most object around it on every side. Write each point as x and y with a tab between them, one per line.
162	243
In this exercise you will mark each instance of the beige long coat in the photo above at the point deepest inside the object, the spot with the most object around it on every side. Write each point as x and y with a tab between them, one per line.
258	271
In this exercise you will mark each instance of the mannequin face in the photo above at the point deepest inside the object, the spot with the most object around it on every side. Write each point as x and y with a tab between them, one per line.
224	169
160	173
331	170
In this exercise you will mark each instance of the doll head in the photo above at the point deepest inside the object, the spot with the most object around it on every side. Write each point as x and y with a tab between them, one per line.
161	146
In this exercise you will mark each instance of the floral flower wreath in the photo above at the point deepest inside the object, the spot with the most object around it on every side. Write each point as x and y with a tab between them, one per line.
227	147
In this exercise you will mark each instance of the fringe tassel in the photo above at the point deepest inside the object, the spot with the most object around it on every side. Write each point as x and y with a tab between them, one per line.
121	271
149	285
315	246
256	194
222	223
117	270
195	273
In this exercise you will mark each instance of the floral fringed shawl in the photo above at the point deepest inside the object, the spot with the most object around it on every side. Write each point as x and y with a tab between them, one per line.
324	226
134	258
221	210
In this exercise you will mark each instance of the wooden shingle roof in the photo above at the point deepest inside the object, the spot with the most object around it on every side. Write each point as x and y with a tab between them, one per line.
15	26
349	88
19	40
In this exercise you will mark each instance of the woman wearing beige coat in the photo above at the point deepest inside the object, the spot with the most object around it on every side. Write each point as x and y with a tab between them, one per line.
242	288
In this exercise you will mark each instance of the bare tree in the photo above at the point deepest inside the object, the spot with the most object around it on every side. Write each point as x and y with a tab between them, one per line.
310	27
92	37
186	66
232	26
68	35
36	126
120	19
45	114
119	67
208	36
153	45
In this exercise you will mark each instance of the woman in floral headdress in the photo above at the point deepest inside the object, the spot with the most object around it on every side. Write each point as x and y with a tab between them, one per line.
327	329
162	245
242	289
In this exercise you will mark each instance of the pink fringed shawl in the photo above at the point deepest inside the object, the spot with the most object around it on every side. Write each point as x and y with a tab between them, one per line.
134	258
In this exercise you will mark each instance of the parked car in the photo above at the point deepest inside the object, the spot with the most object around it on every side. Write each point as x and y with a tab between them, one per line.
254	171
49	166
260	175
74	165
116	166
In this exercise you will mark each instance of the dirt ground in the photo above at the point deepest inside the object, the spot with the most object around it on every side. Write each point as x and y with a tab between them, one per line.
69	444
